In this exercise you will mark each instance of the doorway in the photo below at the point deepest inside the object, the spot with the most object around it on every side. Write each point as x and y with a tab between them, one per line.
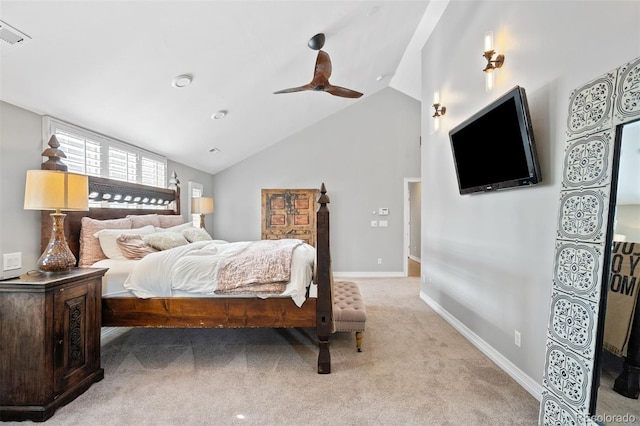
412	232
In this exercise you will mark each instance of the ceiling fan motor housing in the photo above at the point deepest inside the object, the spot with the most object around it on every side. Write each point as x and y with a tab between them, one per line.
317	41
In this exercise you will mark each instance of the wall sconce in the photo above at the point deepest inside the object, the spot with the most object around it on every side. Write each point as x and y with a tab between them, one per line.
439	110
492	63
202	206
488	54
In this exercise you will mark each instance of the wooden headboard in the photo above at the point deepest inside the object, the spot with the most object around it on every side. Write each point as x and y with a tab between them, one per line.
109	189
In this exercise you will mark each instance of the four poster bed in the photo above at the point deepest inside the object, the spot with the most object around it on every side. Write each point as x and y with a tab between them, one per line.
124	309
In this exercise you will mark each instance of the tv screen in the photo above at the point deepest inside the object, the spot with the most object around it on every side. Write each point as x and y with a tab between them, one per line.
494	149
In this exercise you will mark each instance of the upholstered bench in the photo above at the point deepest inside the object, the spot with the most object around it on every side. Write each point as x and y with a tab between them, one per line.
349	313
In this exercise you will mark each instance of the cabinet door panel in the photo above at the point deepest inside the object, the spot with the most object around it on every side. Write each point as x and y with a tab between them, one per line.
289	213
75	336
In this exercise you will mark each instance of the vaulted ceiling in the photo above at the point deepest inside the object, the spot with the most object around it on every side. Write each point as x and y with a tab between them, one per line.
109	65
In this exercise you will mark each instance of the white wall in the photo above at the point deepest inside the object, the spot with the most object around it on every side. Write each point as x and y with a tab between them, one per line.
487	259
362	154
186	174
20	148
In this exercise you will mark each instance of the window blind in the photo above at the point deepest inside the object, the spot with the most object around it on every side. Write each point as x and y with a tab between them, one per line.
94	154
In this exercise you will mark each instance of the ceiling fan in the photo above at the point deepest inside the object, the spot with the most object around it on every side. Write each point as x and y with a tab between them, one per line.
320	81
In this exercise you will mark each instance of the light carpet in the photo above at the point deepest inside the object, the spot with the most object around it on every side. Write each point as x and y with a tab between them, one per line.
415	369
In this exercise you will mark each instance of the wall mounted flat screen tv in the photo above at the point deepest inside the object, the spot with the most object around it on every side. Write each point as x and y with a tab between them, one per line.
495	149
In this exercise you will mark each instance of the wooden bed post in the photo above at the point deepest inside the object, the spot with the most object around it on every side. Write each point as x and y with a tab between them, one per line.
174	183
324	304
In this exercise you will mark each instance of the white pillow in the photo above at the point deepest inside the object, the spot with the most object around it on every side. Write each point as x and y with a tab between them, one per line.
196	234
177	228
107	238
165	240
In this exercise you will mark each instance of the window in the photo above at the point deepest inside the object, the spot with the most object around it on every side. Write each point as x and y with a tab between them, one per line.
94	154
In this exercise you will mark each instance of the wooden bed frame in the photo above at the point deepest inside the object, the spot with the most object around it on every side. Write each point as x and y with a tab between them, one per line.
194	312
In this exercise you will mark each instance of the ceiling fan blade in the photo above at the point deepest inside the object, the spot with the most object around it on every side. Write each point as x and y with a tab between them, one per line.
342	91
323	66
295	89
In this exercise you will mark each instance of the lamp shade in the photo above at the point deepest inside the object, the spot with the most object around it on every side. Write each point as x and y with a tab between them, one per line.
56	190
202	205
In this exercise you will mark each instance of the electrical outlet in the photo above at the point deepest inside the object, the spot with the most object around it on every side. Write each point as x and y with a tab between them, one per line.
11	261
517	336
379	261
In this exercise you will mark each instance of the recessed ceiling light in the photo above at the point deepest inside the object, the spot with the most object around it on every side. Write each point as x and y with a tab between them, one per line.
219	114
182	80
214	150
380	77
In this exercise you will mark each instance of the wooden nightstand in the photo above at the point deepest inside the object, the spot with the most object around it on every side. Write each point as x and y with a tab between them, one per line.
49	341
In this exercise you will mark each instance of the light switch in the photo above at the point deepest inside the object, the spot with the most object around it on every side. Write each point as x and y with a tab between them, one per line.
374	223
11	261
383	224
383	211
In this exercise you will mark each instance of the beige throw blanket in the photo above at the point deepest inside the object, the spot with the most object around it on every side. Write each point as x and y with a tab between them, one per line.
262	267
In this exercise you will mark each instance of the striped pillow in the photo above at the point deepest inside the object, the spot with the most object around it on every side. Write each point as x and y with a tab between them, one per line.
133	246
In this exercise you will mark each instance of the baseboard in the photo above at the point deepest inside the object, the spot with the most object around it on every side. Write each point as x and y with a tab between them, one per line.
369	274
530	385
415	258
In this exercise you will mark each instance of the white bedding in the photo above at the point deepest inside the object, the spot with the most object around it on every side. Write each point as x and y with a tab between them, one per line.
113	280
191	270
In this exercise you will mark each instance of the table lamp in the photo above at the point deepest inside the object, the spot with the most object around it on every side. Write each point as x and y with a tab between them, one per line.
56	190
202	206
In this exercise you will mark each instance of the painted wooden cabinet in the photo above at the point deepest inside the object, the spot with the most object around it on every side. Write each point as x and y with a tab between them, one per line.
289	213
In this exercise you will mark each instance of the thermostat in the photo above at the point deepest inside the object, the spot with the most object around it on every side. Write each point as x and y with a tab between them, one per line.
383	211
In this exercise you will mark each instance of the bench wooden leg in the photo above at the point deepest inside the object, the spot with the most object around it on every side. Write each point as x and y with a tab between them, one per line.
359	341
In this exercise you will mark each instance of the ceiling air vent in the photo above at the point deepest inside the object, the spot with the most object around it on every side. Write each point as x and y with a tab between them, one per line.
11	35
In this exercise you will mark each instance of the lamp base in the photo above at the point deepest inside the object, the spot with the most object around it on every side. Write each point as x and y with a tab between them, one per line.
57	257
